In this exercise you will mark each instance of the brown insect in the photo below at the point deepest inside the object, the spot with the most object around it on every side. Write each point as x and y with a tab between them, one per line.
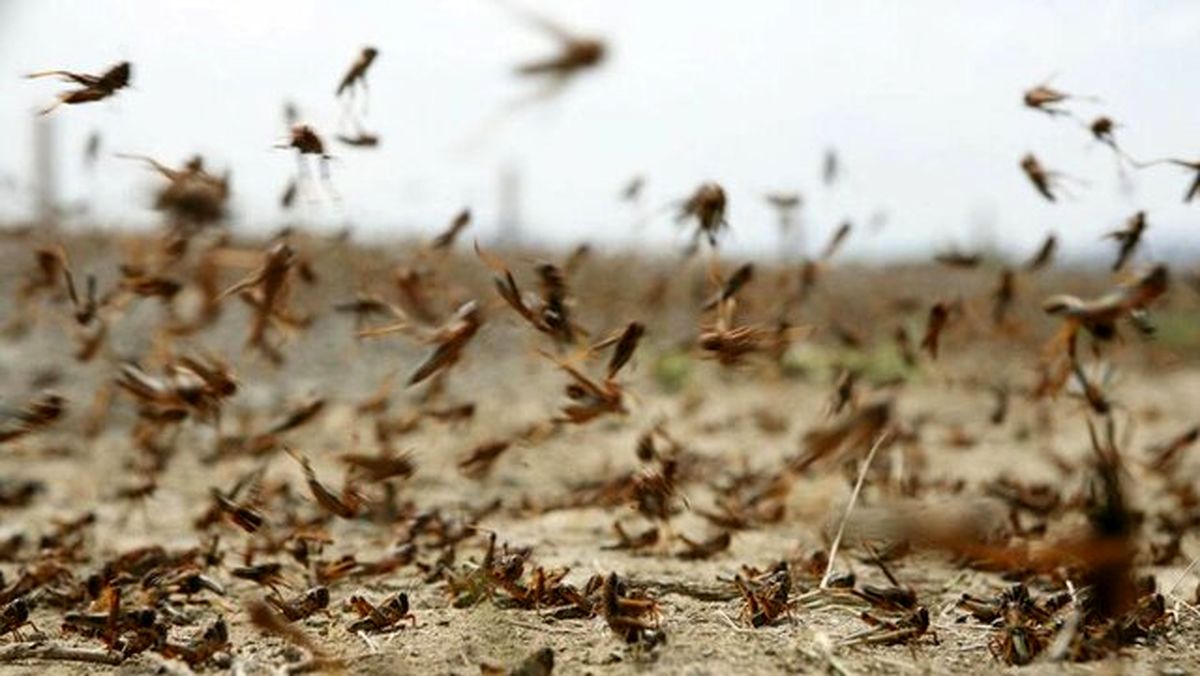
356	76
19	492
1190	165
939	315
478	462
634	618
740	277
643	540
730	344
1102	129
707	206
446	239
855	433
305	141
1099	317
1039	176
696	550
1128	238
1164	457
959	259
1003	295
265	574
191	385
377	468
382	617
202	648
361	139
1044	254
37	414
92	87
192	196
589	399
270	621
785	205
347	505
844	393
450	340
266	290
302	606
1045	99
14	616
908	629
836	240
576	54
765	598
549	314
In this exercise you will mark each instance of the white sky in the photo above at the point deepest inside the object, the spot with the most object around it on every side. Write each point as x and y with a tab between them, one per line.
921	99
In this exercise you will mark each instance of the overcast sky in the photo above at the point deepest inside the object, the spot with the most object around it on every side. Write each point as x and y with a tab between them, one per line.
922	101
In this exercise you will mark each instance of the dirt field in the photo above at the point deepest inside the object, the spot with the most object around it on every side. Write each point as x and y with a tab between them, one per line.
743	422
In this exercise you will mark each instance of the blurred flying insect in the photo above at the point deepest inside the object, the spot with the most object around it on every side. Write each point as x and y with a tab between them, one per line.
93	87
91	150
939	315
831	167
267	290
305	140
1041	178
361	139
1190	165
632	192
346	506
1046	99
836	240
785	205
1102	129
39	413
576	53
707	206
1128	238
736	281
1044	254
1099	317
958	259
446	239
550	313
356	77
1003	295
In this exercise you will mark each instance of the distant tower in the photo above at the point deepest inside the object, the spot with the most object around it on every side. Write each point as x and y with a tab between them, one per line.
45	169
508	224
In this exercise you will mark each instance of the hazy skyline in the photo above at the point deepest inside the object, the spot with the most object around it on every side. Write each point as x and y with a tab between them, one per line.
921	101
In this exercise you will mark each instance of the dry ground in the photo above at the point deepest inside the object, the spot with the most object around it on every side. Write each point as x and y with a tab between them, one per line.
712	412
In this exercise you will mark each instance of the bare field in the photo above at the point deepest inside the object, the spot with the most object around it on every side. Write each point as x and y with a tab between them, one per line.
558	488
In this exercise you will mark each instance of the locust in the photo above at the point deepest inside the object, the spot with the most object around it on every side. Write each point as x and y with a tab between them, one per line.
382	617
1041	178
707	206
1128	238
356	76
91	87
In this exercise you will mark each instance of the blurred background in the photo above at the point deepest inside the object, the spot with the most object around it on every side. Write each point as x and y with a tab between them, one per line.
921	102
